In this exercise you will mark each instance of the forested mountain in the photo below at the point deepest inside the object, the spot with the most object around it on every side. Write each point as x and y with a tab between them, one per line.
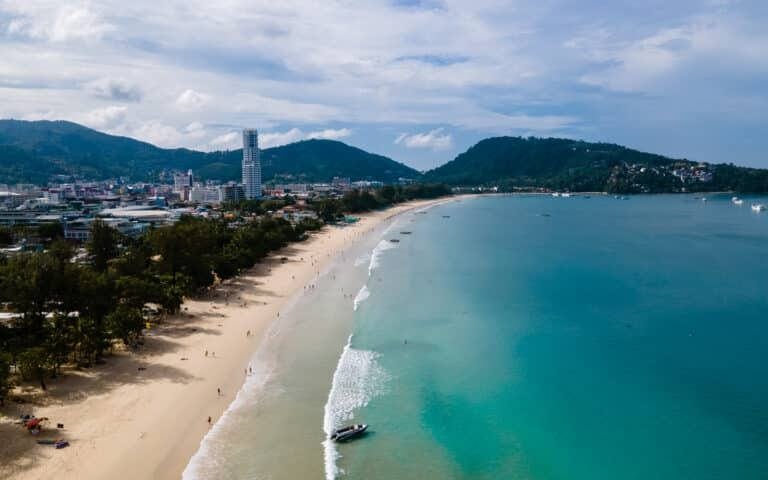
562	164
35	151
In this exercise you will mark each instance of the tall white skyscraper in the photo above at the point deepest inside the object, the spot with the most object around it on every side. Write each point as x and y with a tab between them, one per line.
251	164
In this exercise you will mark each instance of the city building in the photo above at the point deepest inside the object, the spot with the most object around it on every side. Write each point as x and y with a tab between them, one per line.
182	180
251	164
341	183
80	229
182	184
201	194
231	193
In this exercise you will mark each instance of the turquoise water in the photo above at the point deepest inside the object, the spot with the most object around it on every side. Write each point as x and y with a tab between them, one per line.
567	338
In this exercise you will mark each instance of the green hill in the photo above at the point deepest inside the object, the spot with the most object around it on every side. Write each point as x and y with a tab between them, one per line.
35	151
562	164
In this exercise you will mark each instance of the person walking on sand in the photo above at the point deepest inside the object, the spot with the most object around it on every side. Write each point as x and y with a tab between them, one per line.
209	420
218	391
206	354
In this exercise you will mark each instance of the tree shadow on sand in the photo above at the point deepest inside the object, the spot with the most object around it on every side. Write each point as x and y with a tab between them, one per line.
20	450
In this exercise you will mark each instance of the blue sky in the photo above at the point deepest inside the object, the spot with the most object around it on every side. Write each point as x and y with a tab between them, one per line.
417	80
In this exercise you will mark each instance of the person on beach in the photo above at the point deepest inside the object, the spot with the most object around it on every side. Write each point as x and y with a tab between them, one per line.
206	354
218	391
209	420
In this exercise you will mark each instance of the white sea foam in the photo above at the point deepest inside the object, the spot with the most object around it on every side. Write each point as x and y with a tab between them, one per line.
208	457
361	296
383	246
357	380
362	259
389	228
207	461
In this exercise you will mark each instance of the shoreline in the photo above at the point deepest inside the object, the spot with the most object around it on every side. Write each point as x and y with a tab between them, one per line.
146	412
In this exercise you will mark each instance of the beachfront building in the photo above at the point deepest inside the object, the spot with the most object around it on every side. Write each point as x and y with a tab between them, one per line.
251	164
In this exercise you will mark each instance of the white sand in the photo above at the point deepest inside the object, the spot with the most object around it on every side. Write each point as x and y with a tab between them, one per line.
126	423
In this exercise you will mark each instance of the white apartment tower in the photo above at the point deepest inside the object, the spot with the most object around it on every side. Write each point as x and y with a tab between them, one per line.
251	164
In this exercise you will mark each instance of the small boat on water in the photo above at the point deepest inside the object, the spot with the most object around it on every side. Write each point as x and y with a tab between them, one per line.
759	207
394	240
405	232
344	434
737	201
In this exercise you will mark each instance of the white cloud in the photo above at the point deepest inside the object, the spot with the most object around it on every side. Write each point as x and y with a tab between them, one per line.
644	64
476	68
190	100
56	23
274	139
161	134
330	134
115	89
434	140
105	118
226	141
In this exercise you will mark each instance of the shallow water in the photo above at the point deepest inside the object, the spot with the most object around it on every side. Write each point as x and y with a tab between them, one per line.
524	337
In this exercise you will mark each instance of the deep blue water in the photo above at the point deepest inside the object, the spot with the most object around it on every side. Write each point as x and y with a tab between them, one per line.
569	338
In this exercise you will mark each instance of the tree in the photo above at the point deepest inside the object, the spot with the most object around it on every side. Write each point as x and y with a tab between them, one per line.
97	300
387	193
33	363
5	376
328	209
125	323
103	244
51	231
6	236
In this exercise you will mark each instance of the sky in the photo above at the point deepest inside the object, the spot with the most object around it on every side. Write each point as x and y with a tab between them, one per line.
417	80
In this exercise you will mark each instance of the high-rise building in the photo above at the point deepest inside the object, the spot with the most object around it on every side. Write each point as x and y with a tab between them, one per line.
182	184
251	164
231	192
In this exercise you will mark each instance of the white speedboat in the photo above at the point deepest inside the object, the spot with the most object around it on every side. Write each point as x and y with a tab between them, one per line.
759	207
737	201
351	431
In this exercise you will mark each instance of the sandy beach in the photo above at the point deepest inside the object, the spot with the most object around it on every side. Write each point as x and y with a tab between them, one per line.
143	414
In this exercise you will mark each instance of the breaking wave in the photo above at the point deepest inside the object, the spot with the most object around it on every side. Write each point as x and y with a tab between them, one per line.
362	259
361	296
382	247
357	380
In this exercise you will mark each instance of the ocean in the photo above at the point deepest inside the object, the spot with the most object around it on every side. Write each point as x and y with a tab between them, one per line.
521	337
